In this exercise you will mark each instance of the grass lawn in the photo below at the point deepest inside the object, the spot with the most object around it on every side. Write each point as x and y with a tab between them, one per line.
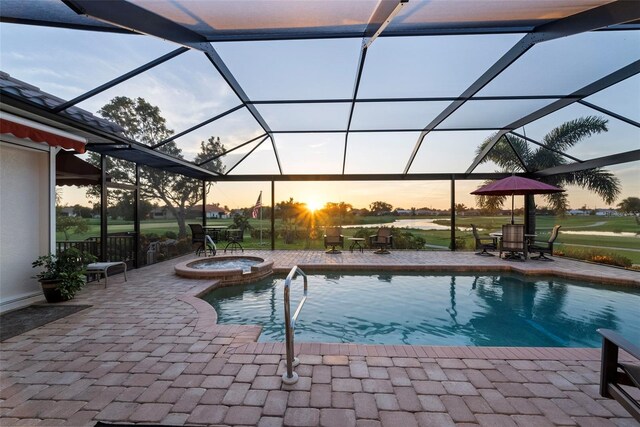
628	246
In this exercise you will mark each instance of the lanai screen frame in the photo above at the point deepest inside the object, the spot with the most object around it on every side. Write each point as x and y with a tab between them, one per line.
122	16
126	17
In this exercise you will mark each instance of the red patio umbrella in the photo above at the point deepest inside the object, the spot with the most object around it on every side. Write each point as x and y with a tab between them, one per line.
516	185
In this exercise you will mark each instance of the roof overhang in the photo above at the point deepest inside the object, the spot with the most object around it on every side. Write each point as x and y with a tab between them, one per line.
37	132
107	143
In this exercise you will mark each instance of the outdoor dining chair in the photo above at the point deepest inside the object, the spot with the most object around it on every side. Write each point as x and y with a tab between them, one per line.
484	243
199	236
545	247
513	241
383	240
333	237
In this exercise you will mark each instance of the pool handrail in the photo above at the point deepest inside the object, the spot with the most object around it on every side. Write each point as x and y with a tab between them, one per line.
290	377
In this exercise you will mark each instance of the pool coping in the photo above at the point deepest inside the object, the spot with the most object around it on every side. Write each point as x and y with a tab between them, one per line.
207	316
227	276
466	269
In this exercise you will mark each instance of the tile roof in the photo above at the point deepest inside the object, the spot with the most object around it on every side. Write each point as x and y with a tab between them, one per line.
13	86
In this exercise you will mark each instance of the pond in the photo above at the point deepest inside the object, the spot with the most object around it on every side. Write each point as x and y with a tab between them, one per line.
419	224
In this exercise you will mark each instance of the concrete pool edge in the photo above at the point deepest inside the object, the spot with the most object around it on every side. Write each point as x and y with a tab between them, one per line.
251	333
245	341
604	280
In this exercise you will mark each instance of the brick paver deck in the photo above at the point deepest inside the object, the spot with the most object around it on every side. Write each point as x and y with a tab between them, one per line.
149	351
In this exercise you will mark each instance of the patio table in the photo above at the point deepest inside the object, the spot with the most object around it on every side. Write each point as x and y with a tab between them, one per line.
217	232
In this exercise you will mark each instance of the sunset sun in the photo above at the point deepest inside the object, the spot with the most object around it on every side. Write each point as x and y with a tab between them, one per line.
314	204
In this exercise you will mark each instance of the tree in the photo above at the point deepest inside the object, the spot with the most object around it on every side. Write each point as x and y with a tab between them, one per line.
123	208
82	211
292	214
378	208
241	222
144	123
568	134
630	205
337	213
66	223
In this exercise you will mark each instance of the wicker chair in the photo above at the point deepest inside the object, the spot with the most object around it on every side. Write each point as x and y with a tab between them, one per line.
513	241
333	237
545	247
383	241
484	243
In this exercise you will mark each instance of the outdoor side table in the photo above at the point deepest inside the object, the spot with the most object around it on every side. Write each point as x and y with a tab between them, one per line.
355	243
103	267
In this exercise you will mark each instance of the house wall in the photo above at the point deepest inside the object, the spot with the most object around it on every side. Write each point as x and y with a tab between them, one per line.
24	220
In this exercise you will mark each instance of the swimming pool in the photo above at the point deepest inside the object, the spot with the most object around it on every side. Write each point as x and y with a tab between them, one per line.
420	309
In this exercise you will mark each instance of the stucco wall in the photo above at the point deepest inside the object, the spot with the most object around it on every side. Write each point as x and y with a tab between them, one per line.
24	222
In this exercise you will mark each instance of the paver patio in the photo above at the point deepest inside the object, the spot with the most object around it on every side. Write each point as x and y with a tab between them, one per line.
149	351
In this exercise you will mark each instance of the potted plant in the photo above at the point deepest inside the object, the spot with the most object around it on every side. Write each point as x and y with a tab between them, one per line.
63	275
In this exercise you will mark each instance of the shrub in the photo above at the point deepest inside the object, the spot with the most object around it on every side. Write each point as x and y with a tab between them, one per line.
266	233
407	240
68	267
184	246
151	237
461	243
595	255
171	235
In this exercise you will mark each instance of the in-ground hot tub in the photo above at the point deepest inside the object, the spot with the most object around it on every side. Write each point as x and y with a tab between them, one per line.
229	270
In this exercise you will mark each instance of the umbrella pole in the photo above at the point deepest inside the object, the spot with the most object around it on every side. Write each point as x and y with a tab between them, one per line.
512	222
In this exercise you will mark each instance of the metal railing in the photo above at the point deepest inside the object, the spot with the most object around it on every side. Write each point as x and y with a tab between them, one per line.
290	377
120	247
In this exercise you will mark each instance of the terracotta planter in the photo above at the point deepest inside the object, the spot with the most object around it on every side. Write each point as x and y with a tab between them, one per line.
51	292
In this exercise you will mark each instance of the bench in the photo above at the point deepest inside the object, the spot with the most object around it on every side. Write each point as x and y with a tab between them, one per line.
101	268
614	375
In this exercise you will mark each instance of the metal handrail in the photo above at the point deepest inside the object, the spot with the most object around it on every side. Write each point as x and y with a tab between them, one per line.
290	377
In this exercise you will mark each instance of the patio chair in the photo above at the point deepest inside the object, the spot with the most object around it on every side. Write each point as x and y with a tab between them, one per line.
199	236
544	247
615	375
234	236
484	243
333	237
513	241
383	240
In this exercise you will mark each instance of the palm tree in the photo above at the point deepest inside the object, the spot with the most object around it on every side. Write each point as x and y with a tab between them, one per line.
568	134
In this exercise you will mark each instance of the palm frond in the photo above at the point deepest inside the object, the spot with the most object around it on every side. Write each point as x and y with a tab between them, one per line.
600	181
491	204
570	133
501	154
558	202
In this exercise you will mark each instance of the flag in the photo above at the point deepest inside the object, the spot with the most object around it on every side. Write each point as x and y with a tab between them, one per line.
256	208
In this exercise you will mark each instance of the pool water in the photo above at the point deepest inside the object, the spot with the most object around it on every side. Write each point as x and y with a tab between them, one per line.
501	310
226	264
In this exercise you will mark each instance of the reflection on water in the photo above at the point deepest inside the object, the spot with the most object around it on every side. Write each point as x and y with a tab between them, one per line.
436	310
419	224
602	233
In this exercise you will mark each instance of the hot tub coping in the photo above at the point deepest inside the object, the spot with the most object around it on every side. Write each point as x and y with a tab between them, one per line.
227	276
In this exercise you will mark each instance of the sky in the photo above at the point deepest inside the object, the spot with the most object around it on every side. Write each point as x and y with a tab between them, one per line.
188	90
